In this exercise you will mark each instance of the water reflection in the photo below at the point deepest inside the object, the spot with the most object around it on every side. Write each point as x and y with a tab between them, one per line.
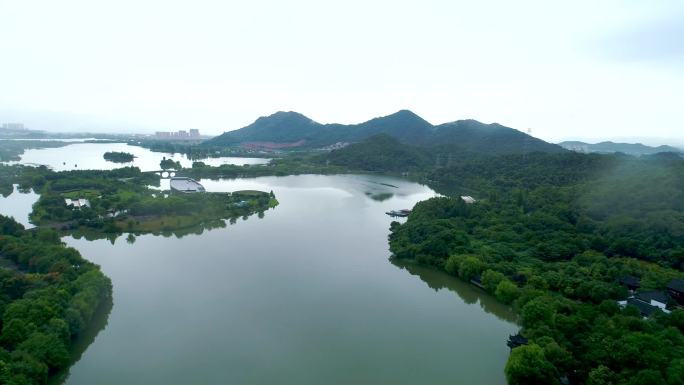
81	343
18	204
199	229
470	294
379	196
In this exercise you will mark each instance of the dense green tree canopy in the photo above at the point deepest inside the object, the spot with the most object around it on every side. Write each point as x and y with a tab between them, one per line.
48	296
552	234
118	157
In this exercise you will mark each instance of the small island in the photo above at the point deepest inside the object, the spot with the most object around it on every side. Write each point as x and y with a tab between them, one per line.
167	164
118	157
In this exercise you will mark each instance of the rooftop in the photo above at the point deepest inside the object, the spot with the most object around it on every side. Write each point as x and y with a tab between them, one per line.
644	308
648	296
186	185
81	202
516	340
468	199
676	285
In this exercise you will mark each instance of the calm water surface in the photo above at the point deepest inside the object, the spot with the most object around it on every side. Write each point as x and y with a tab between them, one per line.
19	205
304	295
88	156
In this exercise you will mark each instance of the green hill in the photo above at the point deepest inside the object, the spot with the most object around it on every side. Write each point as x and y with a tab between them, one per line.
612	147
403	125
292	129
380	152
281	127
493	138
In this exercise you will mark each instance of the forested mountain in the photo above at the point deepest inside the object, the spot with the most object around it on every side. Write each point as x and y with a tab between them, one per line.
611	147
383	153
404	126
475	136
380	153
291	129
281	127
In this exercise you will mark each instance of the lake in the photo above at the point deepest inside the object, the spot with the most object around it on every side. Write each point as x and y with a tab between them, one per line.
89	156
19	205
304	295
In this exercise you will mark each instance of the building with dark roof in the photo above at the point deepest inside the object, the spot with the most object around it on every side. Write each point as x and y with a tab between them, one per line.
516	340
676	290
654	298
648	302
645	309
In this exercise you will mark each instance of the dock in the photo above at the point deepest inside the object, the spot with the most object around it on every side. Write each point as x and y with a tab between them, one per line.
517	340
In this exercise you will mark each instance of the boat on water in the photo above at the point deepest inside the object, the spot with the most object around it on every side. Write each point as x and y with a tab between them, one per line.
399	213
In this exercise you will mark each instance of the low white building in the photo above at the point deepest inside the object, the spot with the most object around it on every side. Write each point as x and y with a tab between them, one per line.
647	302
77	203
468	199
658	299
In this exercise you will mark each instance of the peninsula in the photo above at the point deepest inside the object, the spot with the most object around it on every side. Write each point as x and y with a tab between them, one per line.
125	200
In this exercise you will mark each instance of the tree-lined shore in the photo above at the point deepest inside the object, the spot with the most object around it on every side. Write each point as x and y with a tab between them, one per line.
48	297
553	236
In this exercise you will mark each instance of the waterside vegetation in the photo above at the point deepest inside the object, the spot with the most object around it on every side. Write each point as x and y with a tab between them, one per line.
11	150
552	235
125	200
49	295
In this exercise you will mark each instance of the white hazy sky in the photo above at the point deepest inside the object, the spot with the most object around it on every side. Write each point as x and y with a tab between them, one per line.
565	69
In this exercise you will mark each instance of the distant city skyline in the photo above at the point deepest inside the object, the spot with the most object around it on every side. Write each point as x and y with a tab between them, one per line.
566	70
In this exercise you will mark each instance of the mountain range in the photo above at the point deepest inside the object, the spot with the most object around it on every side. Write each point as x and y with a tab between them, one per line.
294	130
612	147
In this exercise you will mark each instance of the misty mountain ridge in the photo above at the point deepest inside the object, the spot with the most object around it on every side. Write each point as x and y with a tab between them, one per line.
608	147
293	129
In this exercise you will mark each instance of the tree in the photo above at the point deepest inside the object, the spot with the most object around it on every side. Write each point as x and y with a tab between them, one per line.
507	292
15	331
491	279
469	267
601	375
528	365
557	355
675	372
538	311
647	376
47	348
677	319
166	164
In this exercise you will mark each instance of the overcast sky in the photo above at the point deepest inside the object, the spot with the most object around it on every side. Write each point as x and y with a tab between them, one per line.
571	69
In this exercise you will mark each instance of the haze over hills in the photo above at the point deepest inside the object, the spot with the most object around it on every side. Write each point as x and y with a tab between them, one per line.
292	129
608	147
